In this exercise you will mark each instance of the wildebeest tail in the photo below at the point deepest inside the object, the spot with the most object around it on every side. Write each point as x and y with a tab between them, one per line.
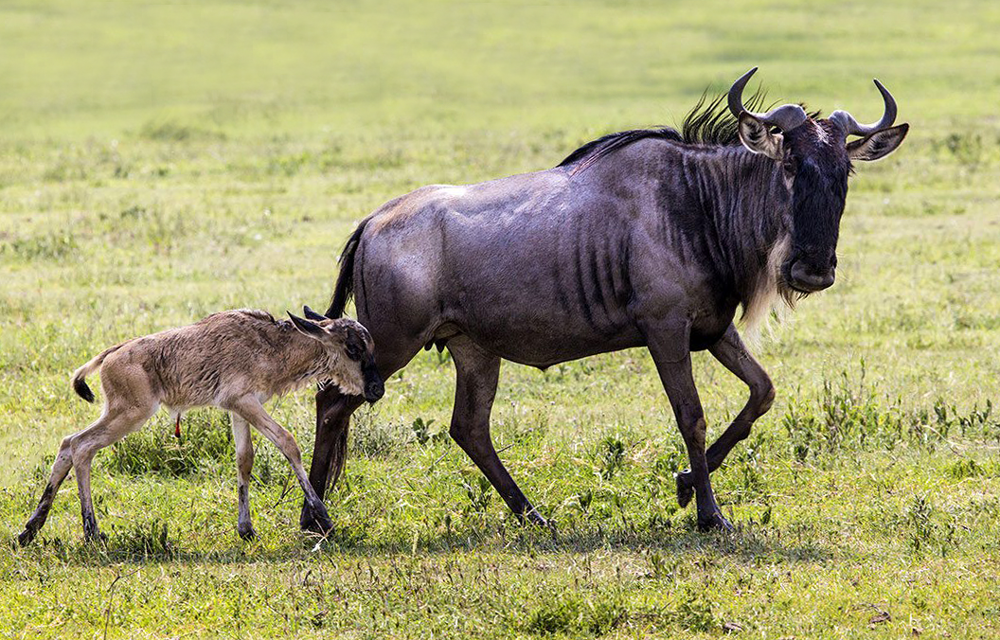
80	375
344	289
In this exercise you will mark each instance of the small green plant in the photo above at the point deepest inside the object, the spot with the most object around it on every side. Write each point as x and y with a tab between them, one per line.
610	456
694	613
144	540
424	435
479	491
55	245
590	614
206	442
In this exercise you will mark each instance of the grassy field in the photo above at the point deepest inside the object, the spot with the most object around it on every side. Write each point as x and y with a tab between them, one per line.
159	162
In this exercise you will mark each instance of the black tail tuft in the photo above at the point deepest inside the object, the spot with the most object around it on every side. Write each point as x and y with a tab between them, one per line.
344	289
82	390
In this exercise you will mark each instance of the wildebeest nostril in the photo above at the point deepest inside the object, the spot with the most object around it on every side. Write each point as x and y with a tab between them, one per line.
808	279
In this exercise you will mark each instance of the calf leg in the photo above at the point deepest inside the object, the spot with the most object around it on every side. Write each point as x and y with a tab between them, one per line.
250	409
85	446
244	464
60	468
731	352
78	451
477	373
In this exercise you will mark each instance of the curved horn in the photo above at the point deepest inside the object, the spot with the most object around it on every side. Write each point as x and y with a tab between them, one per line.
847	121
786	117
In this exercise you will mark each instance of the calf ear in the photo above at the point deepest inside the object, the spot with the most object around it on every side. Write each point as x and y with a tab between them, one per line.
879	144
312	315
757	137
307	327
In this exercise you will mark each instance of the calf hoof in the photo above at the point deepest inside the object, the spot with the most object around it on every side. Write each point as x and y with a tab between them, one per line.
26	536
685	487
246	532
714	522
95	538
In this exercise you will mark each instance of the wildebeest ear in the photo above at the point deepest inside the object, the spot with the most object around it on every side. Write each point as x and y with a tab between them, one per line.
312	315
757	137
307	327
877	145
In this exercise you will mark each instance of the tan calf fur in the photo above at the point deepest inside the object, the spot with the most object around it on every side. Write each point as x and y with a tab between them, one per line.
234	360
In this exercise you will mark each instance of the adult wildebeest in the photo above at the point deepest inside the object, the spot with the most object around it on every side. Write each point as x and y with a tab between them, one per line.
643	238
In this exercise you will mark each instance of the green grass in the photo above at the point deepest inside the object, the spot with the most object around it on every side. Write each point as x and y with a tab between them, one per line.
161	162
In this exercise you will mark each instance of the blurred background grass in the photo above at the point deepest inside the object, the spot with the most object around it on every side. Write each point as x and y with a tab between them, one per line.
159	162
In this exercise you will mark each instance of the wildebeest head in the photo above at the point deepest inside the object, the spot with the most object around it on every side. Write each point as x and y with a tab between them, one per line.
344	336
815	158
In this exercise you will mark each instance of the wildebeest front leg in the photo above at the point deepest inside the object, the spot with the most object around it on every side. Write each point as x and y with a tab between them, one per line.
673	363
333	417
244	465
477	373
733	354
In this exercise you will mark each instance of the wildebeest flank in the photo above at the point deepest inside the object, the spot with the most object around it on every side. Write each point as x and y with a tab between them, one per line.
644	238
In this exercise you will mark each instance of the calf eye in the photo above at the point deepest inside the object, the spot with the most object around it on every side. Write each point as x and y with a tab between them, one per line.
353	352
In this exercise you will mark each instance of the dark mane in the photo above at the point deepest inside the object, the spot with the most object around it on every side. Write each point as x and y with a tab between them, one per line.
711	123
708	123
594	150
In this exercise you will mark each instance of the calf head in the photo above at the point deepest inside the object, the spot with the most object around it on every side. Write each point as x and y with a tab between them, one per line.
352	349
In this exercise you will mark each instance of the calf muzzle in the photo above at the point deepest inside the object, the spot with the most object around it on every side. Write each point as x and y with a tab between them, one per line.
374	385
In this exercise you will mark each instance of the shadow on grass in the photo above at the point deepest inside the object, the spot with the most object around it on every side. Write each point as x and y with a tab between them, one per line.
749	543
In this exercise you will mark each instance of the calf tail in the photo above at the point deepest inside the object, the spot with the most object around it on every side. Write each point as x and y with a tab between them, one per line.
79	376
344	288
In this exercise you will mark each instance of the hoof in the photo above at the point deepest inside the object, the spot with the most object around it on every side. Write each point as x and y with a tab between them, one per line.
311	525
685	487
25	537
536	519
715	522
314	516
96	538
317	523
247	532
307	521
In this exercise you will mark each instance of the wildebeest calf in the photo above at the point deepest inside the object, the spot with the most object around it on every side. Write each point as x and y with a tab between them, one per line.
234	360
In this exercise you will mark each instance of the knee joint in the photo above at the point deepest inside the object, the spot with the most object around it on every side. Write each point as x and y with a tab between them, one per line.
763	395
693	428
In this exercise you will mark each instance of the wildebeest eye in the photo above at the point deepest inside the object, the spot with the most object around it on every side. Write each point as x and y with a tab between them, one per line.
790	165
353	352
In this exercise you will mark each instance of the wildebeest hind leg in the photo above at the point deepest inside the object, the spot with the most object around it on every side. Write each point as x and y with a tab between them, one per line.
477	373
732	353
121	419
60	469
